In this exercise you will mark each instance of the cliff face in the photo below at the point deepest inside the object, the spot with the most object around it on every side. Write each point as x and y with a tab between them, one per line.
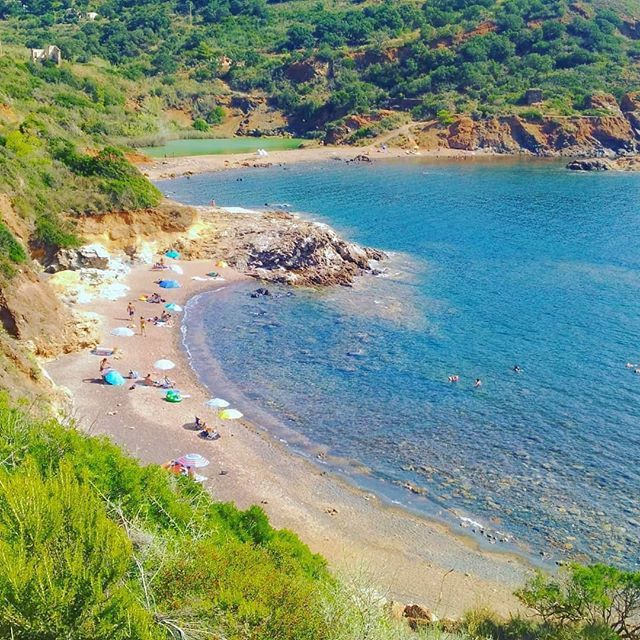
576	136
614	131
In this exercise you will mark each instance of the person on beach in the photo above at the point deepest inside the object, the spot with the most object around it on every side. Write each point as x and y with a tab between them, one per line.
104	365
149	381
143	326
477	384
131	311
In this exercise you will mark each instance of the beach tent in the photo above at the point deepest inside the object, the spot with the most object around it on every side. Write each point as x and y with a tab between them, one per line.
217	403
230	414
163	365
114	378
172	253
194	460
169	284
123	331
172	306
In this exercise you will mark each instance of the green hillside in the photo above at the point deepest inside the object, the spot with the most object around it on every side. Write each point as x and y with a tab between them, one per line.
474	56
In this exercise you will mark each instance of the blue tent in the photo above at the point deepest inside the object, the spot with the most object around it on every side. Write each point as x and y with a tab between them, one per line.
169	284
114	378
172	253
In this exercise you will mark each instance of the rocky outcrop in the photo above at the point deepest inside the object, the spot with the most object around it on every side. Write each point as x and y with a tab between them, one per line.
279	247
590	164
604	102
631	163
571	136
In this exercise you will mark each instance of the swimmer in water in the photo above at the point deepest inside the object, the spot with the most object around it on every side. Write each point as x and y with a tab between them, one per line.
517	368
454	378
477	384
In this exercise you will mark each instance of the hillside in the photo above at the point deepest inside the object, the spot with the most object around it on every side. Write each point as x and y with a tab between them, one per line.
318	62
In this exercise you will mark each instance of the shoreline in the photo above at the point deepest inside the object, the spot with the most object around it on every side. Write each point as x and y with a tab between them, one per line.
174	167
413	558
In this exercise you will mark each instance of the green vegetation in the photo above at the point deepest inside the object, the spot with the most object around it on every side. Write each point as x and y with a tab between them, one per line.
56	156
94	546
456	55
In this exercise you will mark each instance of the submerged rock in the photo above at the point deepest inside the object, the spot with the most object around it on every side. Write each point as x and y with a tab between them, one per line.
590	164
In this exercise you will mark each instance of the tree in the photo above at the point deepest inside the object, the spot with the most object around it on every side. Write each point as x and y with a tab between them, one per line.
594	595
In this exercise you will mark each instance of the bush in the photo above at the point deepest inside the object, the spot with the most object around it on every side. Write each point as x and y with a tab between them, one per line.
200	125
69	508
596	596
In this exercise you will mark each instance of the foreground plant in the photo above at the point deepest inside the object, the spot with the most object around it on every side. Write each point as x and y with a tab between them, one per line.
597	595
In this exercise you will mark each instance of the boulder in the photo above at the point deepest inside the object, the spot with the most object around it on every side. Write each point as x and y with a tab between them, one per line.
92	256
418	616
590	164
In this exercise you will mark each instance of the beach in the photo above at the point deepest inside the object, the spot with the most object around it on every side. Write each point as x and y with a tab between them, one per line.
406	557
190	165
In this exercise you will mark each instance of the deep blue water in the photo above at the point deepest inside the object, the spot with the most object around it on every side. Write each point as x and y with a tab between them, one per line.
493	263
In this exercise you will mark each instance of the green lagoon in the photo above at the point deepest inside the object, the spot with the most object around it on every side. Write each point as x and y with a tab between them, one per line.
219	146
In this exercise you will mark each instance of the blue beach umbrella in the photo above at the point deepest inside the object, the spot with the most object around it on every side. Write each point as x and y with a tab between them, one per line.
113	378
169	284
172	306
172	253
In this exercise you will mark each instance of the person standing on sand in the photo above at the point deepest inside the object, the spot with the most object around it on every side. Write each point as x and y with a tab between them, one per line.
131	310
143	326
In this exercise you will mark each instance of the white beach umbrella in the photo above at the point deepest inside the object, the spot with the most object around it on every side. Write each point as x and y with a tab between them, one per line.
163	365
193	460
123	331
230	414
217	403
176	268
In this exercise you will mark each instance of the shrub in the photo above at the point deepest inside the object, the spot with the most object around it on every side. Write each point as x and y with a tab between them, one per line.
597	596
199	124
445	117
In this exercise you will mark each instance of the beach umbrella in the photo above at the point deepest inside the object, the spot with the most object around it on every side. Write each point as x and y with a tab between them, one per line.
169	284
193	460
114	378
172	253
217	403
123	331
176	269
163	365
230	414
172	306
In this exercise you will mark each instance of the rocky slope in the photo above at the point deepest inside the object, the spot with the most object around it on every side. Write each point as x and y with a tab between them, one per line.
615	130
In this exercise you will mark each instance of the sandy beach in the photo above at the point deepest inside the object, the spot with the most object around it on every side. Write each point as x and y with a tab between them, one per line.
409	558
188	165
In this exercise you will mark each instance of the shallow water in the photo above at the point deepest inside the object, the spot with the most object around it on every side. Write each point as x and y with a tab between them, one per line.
494	263
217	146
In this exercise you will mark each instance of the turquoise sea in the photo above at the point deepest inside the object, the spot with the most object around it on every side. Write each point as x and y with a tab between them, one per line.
492	264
